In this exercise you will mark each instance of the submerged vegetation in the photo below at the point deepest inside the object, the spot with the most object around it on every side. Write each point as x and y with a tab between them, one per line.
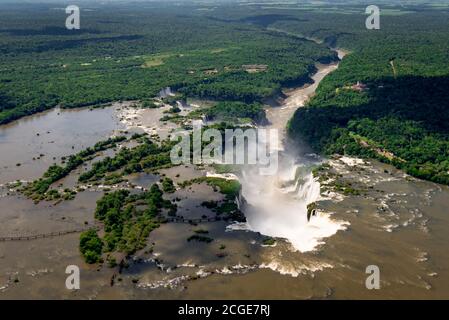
200	238
147	155
388	99
37	190
230	188
127	219
228	209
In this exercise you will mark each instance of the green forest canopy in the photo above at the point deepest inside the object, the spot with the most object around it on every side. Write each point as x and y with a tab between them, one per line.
114	58
400	118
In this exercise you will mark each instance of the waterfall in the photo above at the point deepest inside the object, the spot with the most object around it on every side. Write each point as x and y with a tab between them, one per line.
276	205
165	92
278	208
309	190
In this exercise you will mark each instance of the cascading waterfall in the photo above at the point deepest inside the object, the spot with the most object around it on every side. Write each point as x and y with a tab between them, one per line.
165	92
276	206
309	190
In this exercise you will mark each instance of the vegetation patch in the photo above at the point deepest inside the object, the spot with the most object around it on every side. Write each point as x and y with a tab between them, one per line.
236	112
269	242
199	238
134	59
168	185
395	111
91	246
37	189
128	220
146	156
231	189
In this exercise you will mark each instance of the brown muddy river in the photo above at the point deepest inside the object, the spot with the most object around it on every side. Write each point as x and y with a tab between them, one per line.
34	141
397	223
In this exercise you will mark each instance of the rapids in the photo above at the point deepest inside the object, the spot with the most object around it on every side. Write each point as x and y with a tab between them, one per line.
277	204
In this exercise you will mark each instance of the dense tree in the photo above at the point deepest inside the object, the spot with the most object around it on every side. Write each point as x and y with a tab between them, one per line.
44	65
91	246
401	116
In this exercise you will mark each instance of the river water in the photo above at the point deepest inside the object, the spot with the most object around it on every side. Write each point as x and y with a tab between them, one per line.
277	204
37	141
398	223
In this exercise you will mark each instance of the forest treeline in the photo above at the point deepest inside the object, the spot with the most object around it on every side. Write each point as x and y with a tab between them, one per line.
399	111
389	98
115	58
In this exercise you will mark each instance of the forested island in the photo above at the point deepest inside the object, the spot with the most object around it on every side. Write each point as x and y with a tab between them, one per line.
388	99
241	57
91	179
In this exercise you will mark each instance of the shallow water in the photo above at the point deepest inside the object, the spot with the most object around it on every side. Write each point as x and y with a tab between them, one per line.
52	134
412	257
398	223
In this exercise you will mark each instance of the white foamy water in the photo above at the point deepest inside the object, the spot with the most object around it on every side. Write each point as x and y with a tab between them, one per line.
278	208
294	270
277	204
